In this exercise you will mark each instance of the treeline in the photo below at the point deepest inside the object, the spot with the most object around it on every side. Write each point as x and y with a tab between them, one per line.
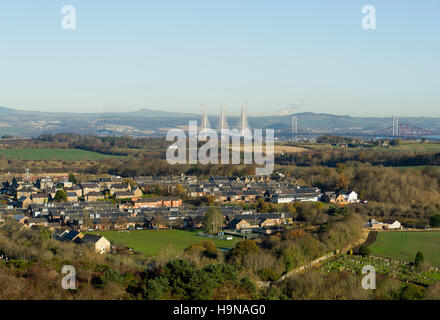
390	192
374	183
139	167
331	158
329	138
113	145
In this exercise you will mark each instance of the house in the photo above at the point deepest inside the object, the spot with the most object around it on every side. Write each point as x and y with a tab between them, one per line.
196	192
105	182
392	225
24	202
20	218
71	236
119	187
67	184
99	243
51	192
40	222
137	192
94	196
24	192
247	221
298	193
283	198
158	202
349	196
329	197
89	187
44	183
123	194
40	198
171	202
387	225
342	198
72	196
75	189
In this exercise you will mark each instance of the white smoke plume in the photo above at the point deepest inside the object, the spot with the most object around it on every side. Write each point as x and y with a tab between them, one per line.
293	106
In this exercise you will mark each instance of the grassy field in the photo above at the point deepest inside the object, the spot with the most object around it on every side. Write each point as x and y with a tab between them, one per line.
51	154
404	245
413	146
405	146
150	242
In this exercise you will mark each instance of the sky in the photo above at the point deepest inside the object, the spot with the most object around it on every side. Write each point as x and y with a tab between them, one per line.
178	55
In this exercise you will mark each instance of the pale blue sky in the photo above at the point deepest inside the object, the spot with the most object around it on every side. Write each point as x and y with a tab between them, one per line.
177	55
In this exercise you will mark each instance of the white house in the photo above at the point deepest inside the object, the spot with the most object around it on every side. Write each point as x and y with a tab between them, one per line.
283	198
388	225
350	196
393	225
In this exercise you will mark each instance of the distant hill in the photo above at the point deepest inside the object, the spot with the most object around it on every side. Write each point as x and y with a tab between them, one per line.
324	121
148	121
156	113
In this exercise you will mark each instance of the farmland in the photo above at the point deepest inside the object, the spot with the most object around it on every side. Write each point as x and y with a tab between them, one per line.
413	146
404	246
51	154
403	271
150	242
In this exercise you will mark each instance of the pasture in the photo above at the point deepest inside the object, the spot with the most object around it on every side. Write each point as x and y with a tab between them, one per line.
150	242
404	246
51	154
413	147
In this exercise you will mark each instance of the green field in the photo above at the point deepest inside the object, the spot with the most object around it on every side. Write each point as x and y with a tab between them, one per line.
404	246
150	242
413	146
405	146
51	154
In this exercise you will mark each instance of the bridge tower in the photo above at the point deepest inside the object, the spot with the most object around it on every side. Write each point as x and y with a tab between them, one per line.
294	126
395	126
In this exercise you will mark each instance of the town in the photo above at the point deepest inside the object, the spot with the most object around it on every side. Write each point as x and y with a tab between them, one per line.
114	203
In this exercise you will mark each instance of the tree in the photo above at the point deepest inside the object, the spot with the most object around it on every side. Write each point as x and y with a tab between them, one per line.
434	221
364	251
418	261
210	200
412	292
60	196
244	248
72	178
180	190
262	206
158	220
213	221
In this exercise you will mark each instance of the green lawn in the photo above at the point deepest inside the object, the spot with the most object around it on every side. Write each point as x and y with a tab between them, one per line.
404	245
51	154
150	242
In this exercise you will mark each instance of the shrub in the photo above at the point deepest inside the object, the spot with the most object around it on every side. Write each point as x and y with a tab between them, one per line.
268	275
364	251
434	221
